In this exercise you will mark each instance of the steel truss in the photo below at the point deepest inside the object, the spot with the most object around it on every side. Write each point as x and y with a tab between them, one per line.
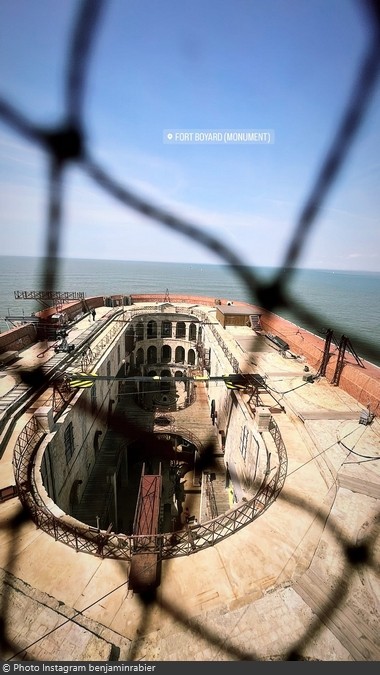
63	296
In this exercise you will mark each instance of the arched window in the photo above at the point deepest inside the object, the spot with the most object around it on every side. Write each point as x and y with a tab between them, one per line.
166	354
191	357
155	384
139	331
93	398
178	374
179	355
151	354
180	330
97	434
165	386
69	441
129	339
151	329
139	357
192	332
166	329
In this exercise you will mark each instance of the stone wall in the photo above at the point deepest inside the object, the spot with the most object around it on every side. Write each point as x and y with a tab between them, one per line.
246	465
72	309
102	398
18	338
363	384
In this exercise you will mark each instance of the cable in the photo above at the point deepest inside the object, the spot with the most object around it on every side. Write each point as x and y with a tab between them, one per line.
281	393
358	454
25	649
40	355
318	455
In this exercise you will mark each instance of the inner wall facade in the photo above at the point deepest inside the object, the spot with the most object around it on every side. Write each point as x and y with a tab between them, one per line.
170	343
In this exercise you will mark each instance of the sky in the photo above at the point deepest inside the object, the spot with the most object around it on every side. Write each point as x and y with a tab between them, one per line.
281	66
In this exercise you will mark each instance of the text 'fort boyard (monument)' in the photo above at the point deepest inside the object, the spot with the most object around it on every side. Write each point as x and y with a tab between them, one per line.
218	136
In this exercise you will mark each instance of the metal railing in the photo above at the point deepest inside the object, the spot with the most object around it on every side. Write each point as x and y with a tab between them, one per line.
120	546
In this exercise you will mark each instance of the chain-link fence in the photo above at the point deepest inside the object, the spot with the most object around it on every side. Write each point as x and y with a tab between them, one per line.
65	146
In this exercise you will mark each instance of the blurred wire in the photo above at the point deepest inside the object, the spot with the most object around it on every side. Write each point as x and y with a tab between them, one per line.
66	144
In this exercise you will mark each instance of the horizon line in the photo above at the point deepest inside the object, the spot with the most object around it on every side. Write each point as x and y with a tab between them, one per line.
193	262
